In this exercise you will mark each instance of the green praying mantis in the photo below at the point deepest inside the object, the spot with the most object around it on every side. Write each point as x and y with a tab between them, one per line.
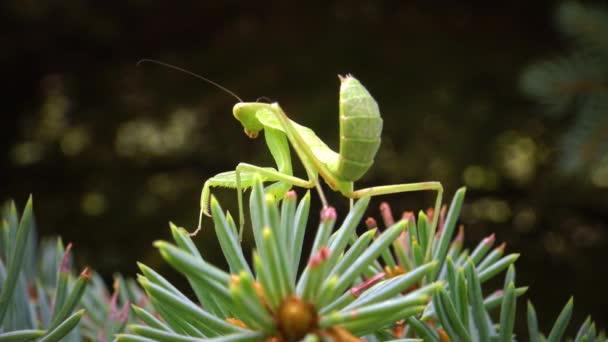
360	136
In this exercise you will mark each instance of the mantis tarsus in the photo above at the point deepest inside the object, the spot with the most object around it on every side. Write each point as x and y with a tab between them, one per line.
360	131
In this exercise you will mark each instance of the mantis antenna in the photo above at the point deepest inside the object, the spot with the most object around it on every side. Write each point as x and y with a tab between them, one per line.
146	60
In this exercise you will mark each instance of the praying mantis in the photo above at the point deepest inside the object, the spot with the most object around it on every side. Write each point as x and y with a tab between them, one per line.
360	136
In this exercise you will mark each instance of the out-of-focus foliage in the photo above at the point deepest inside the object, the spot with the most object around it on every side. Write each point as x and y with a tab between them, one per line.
576	84
39	295
107	313
40	290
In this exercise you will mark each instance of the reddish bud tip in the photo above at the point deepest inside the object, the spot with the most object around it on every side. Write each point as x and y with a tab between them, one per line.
442	215
64	266
502	246
497	293
324	252
371	223
398	331
458	240
291	194
319	257
328	214
489	240
32	292
408	216
86	273
357	290
460	235
387	215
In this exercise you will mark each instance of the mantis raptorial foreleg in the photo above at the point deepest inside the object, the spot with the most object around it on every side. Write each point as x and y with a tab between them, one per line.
242	178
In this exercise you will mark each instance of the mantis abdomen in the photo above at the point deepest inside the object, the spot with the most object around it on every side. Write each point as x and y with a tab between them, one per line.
360	130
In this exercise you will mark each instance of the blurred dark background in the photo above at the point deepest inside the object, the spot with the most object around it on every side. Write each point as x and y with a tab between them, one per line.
113	151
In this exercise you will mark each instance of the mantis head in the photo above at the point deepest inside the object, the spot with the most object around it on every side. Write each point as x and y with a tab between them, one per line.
245	112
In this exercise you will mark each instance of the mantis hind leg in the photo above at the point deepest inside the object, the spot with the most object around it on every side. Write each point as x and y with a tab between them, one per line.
398	188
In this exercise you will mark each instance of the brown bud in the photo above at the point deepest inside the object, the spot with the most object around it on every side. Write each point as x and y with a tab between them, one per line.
296	318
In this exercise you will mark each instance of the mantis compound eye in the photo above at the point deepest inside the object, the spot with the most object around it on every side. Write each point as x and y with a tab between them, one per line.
251	134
